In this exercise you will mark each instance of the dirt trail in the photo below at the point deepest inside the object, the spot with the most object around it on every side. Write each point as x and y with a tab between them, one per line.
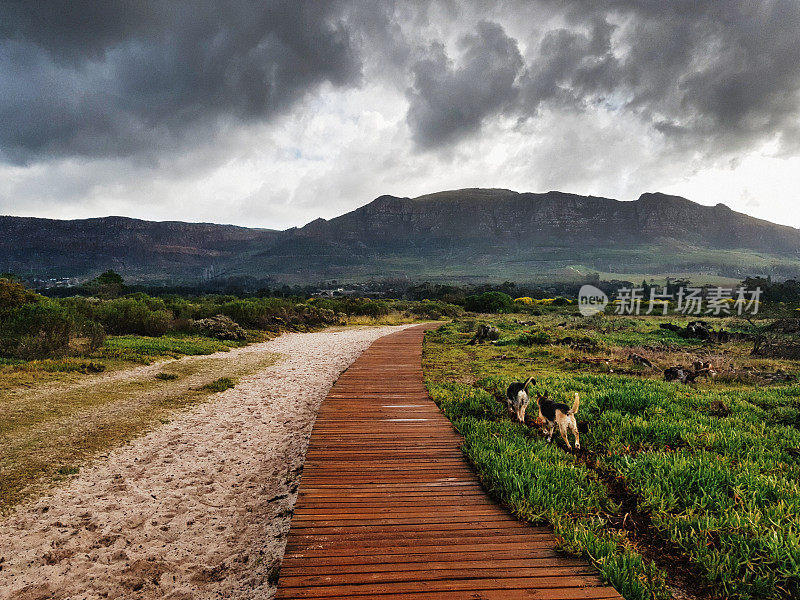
198	508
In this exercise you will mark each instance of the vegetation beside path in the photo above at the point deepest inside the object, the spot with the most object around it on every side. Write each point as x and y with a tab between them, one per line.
72	384
679	487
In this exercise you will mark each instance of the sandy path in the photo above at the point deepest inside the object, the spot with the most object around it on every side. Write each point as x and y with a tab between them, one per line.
200	507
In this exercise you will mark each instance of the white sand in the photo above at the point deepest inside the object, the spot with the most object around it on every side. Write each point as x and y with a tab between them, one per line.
200	507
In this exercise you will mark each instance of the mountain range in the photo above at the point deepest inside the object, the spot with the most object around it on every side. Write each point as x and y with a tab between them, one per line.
465	235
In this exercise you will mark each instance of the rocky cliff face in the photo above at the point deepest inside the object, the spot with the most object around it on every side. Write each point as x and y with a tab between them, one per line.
510	218
486	232
48	247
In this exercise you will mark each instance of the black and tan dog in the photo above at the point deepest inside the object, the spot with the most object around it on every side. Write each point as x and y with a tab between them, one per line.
517	398
557	413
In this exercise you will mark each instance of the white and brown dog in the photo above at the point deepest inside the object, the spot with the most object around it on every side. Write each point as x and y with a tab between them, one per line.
556	413
517	398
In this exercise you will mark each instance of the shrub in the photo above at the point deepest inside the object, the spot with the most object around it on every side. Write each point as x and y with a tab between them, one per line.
528	338
36	330
94	333
166	376
134	315
358	307
557	301
184	308
489	302
13	294
221	327
435	310
534	338
257	314
277	313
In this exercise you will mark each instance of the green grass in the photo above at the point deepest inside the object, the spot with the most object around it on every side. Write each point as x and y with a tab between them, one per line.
64	365
219	385
145	350
723	491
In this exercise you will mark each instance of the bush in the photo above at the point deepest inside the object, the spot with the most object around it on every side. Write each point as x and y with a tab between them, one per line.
37	330
557	301
435	310
528	338
277	314
489	302
256	314
13	295
135	315
534	338
221	327
94	333
354	307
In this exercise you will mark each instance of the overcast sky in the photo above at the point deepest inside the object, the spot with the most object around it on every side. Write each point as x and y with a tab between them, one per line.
271	114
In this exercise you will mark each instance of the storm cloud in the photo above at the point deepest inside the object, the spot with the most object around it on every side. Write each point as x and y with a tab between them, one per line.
343	99
100	78
447	100
704	72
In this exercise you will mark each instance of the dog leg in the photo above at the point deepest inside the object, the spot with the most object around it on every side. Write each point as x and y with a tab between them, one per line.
522	405
551	427
512	408
573	426
562	427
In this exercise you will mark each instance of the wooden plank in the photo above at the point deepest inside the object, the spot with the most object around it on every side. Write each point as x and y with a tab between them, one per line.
593	593
388	508
483	563
413	588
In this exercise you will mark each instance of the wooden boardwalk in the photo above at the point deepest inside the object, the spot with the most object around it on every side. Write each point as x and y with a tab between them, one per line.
388	508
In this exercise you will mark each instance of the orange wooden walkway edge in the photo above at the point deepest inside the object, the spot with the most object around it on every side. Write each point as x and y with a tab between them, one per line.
388	507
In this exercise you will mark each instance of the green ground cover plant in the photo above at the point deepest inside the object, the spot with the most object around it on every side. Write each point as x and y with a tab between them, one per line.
668	488
219	385
142	349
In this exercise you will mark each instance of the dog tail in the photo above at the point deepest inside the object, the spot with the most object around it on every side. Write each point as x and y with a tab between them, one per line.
530	380
576	404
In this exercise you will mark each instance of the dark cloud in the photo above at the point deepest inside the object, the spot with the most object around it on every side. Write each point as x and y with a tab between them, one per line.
448	100
716	75
116	78
97	78
570	68
720	71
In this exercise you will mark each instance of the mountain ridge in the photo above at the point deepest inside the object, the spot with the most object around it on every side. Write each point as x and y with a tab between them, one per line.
472	232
